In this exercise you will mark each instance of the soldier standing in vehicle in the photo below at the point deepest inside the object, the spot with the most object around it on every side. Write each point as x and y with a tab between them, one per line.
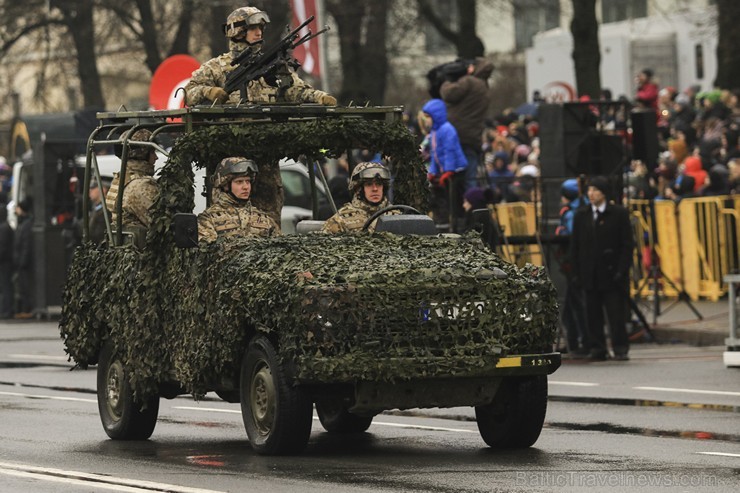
369	188
232	213
244	28
140	189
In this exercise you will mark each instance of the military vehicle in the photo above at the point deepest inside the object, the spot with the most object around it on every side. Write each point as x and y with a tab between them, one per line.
353	324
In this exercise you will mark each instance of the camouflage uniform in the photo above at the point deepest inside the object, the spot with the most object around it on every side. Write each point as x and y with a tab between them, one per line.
228	216
351	217
139	194
213	73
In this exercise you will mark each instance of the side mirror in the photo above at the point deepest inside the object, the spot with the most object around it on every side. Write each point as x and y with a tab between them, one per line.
186	230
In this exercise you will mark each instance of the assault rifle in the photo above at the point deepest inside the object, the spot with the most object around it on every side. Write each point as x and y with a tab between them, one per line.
271	64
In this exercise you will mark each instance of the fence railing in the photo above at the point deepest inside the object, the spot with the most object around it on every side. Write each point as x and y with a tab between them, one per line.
689	246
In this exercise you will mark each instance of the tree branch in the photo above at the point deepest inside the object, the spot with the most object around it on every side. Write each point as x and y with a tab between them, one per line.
426	10
8	43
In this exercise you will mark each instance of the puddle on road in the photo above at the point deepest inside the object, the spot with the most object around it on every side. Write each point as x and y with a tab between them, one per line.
648	432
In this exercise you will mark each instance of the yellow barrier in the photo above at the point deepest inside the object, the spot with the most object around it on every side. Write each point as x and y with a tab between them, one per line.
518	219
709	242
664	240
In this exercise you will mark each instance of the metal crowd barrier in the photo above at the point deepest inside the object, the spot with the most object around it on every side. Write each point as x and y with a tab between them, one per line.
518	219
697	243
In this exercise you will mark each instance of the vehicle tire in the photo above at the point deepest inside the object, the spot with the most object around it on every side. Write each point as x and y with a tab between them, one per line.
277	415
335	418
123	418
515	417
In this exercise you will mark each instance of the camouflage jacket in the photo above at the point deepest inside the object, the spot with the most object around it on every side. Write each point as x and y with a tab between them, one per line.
229	217
139	193
213	74
352	216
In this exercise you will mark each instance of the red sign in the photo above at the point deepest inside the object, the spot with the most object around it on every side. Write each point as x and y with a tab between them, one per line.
172	74
308	53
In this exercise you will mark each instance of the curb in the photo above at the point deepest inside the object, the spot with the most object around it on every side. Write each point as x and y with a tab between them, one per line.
693	337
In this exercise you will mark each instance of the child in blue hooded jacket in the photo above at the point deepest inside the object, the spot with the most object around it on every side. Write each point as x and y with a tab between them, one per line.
447	160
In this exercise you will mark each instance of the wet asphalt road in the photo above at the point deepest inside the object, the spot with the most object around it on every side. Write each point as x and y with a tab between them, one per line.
595	437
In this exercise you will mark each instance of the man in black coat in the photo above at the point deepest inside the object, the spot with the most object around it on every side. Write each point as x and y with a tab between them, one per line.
23	258
601	252
6	265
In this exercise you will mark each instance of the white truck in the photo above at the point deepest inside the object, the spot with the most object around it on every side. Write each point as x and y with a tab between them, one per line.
680	48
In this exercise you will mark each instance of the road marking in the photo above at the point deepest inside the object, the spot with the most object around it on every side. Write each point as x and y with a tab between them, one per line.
574	384
722	454
42	357
689	391
94	480
210	409
420	427
50	397
379	423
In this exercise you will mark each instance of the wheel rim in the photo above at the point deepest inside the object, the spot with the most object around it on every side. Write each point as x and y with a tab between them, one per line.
262	398
114	390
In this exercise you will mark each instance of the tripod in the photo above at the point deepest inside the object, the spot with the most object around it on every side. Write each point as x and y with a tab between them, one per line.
656	274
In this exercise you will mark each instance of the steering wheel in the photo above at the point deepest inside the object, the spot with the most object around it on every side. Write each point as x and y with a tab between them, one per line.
407	209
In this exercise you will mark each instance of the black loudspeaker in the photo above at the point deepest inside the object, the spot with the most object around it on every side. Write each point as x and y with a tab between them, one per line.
645	137
570	144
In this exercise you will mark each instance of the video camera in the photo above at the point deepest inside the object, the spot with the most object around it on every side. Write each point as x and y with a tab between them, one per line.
450	71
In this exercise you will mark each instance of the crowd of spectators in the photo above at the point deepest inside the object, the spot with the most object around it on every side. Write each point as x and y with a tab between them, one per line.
697	140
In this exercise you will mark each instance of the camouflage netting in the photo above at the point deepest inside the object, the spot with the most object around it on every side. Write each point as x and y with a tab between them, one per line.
341	308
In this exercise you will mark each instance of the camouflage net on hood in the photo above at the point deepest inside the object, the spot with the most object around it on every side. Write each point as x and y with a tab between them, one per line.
340	308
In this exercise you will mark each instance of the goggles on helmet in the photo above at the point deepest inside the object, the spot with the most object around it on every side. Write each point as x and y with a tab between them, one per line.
374	174
260	18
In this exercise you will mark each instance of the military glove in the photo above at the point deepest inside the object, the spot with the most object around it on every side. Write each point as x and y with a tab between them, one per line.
217	95
327	100
446	177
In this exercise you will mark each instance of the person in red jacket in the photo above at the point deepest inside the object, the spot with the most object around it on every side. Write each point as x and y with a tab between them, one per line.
647	90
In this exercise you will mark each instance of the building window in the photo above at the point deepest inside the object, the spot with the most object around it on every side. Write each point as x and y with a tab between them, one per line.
532	17
435	43
621	10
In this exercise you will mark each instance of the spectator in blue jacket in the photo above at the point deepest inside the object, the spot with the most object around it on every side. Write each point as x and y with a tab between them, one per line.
447	162
573	309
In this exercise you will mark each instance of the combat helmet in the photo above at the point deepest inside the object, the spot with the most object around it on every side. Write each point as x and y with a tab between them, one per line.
239	20
231	167
138	151
369	171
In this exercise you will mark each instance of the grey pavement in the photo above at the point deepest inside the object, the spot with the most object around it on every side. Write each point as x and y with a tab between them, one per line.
675	321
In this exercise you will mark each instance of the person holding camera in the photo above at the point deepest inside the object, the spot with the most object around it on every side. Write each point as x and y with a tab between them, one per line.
467	99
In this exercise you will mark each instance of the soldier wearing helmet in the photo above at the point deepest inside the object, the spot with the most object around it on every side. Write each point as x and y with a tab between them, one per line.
232	213
140	187
369	188
244	28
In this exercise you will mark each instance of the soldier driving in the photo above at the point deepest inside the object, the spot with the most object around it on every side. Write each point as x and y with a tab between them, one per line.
232	213
369	188
244	28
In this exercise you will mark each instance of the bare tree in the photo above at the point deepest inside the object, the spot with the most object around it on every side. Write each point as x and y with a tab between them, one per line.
586	54
728	46
362	28
465	39
78	19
